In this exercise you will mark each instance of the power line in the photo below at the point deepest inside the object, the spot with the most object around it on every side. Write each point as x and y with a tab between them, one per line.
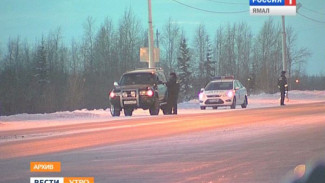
314	20
224	2
312	10
209	11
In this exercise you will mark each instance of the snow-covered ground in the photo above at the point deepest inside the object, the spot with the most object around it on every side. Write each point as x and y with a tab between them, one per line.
23	121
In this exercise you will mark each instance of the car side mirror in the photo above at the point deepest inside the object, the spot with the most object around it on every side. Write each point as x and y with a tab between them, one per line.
237	88
115	83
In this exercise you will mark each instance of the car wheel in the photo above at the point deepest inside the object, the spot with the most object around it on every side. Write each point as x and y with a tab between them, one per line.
233	105
202	107
244	105
114	111
154	109
128	112
215	107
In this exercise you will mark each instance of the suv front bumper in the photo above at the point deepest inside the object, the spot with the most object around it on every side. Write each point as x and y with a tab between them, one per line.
144	102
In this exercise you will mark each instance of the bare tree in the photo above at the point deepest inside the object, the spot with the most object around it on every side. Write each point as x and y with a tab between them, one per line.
129	41
243	49
103	48
75	65
229	59
218	48
200	48
105	65
170	40
296	56
267	58
88	45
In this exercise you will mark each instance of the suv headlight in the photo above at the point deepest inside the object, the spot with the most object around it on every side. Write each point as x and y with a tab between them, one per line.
142	92
112	94
132	94
149	92
124	94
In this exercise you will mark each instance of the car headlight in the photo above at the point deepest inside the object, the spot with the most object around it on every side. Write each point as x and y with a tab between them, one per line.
201	95
230	93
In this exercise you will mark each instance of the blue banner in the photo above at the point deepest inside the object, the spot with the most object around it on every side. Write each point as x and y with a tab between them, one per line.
266	2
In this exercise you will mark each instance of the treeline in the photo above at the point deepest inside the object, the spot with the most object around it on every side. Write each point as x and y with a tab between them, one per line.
49	75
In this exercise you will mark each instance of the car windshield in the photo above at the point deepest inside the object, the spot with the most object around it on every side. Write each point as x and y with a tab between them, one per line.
137	78
219	86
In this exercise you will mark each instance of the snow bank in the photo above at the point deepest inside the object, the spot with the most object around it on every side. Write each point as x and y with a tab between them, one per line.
20	121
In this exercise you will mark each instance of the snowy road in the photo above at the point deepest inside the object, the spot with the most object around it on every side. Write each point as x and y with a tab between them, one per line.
254	145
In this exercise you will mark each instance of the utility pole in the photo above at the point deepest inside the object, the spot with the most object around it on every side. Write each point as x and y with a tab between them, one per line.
150	35
284	45
284	50
284	40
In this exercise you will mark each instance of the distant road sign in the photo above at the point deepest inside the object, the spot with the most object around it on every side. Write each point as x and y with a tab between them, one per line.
272	7
144	54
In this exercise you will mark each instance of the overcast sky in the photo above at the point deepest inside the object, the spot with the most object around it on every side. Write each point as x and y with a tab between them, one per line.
29	19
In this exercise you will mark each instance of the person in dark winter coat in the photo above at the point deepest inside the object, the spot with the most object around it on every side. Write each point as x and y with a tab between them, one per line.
173	89
283	86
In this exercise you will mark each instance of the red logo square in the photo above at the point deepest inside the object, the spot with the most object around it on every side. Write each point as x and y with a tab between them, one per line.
290	2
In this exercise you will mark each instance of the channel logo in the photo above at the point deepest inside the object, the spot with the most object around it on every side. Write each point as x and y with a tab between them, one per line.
272	2
273	7
62	180
46	180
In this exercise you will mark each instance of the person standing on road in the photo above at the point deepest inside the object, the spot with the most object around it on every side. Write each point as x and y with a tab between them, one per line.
173	89
283	86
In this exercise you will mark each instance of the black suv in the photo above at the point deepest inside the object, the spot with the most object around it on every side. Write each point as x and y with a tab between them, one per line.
141	88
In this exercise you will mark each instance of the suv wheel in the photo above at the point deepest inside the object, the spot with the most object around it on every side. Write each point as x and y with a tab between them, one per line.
202	107
128	112
154	109
244	105
115	111
233	105
215	107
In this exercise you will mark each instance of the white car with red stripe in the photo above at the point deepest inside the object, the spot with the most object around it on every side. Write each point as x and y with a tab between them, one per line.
223	91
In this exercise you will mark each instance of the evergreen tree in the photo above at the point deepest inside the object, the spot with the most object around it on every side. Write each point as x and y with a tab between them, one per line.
41	68
184	72
41	80
209	64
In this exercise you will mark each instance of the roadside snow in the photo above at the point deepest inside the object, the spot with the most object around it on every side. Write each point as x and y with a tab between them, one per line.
23	121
